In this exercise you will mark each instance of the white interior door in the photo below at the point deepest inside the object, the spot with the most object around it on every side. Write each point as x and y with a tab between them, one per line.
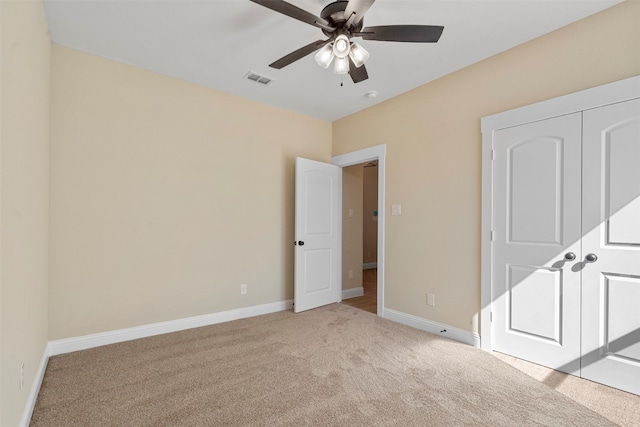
611	218
317	234
536	295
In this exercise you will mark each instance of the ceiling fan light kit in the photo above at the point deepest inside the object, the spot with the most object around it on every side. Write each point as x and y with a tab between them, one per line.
358	54
341	46
341	21
341	65
354	51
325	56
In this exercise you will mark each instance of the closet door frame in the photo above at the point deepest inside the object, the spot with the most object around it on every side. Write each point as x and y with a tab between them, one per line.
607	94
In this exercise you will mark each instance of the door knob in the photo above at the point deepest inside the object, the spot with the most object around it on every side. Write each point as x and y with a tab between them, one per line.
300	243
591	258
569	256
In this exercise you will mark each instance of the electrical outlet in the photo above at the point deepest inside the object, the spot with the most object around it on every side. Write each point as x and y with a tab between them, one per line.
350	274
21	375
431	300
243	289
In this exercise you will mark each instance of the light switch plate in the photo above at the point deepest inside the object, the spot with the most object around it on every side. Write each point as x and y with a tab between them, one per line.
396	209
431	300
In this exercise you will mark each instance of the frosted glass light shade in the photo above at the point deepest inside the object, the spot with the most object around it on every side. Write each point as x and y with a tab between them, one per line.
341	46
341	65
325	55
358	54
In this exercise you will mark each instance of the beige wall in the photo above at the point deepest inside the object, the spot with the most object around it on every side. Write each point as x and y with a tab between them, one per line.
166	196
433	153
24	200
352	192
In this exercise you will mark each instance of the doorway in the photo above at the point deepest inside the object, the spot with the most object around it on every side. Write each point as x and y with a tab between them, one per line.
362	157
360	235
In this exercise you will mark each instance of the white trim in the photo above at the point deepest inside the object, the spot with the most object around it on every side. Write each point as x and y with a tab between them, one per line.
35	389
339	232
352	293
611	93
466	337
622	90
369	265
378	153
104	338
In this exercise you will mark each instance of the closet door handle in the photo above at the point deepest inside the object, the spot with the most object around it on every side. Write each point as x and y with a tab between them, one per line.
591	258
569	256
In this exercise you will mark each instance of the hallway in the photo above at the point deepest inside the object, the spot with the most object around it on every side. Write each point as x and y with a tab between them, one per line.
368	301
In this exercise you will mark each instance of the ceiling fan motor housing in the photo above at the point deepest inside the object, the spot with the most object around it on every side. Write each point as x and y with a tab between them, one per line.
334	14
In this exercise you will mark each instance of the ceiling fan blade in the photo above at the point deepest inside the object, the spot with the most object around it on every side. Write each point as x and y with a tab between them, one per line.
357	74
294	12
298	54
402	33
355	11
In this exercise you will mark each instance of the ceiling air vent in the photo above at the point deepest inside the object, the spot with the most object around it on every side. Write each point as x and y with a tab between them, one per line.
258	78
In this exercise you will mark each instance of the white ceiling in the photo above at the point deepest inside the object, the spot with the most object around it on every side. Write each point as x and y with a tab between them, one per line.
215	43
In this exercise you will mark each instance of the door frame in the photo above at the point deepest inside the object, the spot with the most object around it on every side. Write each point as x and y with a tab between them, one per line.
611	93
378	153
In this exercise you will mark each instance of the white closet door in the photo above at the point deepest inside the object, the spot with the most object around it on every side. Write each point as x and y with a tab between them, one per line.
611	221
536	208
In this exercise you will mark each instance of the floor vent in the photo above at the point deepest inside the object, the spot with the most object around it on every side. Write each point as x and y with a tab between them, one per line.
258	78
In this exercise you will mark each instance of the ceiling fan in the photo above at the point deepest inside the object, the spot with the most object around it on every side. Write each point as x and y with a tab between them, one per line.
341	21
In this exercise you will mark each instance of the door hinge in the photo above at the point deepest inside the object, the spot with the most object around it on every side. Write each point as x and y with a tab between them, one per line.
493	155
491	235
491	316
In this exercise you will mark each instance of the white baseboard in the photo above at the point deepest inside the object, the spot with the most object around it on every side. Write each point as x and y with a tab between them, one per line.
96	340
352	293
369	265
35	389
436	328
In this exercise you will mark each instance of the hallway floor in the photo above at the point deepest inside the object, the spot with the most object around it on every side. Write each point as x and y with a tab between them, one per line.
368	301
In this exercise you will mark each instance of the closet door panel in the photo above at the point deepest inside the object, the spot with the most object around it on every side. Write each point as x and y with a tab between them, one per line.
611	232
536	311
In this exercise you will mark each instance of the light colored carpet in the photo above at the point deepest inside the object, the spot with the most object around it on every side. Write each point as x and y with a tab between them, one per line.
616	405
332	366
